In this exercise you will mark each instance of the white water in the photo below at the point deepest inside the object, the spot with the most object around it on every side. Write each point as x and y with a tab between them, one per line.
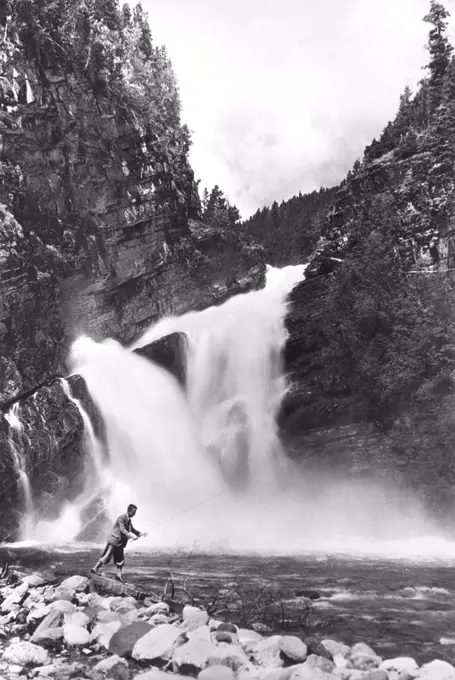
208	466
15	435
70	522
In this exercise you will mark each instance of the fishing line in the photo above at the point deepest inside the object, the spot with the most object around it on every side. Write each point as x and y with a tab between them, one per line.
183	512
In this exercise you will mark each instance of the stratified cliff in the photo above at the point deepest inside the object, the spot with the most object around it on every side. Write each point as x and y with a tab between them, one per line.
96	186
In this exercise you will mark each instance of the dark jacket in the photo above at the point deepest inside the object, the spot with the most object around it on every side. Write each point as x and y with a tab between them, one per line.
122	530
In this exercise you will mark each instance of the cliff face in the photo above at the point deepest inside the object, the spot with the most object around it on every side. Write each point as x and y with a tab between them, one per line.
94	235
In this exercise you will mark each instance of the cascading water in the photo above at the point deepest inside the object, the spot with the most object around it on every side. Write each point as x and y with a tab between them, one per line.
70	522
210	459
15	435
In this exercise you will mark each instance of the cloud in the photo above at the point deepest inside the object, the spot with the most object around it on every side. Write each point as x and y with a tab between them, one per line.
283	95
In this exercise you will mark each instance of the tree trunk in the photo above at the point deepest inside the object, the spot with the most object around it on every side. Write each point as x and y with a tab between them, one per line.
109	586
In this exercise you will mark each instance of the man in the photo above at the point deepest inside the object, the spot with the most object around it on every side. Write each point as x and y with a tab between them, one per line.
121	533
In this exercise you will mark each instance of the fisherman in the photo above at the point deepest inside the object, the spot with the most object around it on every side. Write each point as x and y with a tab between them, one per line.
121	533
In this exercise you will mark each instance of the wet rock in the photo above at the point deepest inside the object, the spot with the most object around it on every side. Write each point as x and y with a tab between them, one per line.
51	621
37	579
227	627
76	618
201	633
247	635
14	599
156	674
157	645
363	658
106	665
335	647
377	675
123	641
261	628
232	656
437	670
106	616
304	672
25	654
314	661
62	606
75	584
217	673
191	657
75	636
401	664
314	646
268	652
157	619
292	650
193	618
103	632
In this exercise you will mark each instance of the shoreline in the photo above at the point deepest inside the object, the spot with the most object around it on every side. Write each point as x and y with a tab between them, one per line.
80	627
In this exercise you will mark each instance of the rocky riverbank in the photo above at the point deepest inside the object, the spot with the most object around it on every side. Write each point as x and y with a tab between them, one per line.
80	627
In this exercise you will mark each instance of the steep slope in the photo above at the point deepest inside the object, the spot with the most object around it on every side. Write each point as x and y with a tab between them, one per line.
371	331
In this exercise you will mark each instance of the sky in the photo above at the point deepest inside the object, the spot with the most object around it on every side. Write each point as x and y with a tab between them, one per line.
283	95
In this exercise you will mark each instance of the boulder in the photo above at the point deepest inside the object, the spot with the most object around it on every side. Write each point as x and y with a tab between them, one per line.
227	627
292	650
232	656
217	673
401	664
363	658
319	648
157	645
437	670
75	636
103	632
201	633
191	657
49	638
62	606
157	619
223	636
193	618
106	616
52	620
334	647
321	662
25	654
106	665
268	652
76	618
14	599
75	584
304	672
123	640
247	635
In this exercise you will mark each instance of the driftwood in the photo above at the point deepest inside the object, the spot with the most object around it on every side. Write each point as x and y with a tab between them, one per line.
109	586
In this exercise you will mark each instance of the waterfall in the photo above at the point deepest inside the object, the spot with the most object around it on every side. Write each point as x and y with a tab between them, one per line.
15	435
205	464
71	521
171	451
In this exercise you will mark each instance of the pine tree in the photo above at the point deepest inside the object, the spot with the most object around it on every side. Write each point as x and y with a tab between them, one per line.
440	50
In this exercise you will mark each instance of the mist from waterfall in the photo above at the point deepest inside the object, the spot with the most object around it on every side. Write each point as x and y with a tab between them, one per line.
205	463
